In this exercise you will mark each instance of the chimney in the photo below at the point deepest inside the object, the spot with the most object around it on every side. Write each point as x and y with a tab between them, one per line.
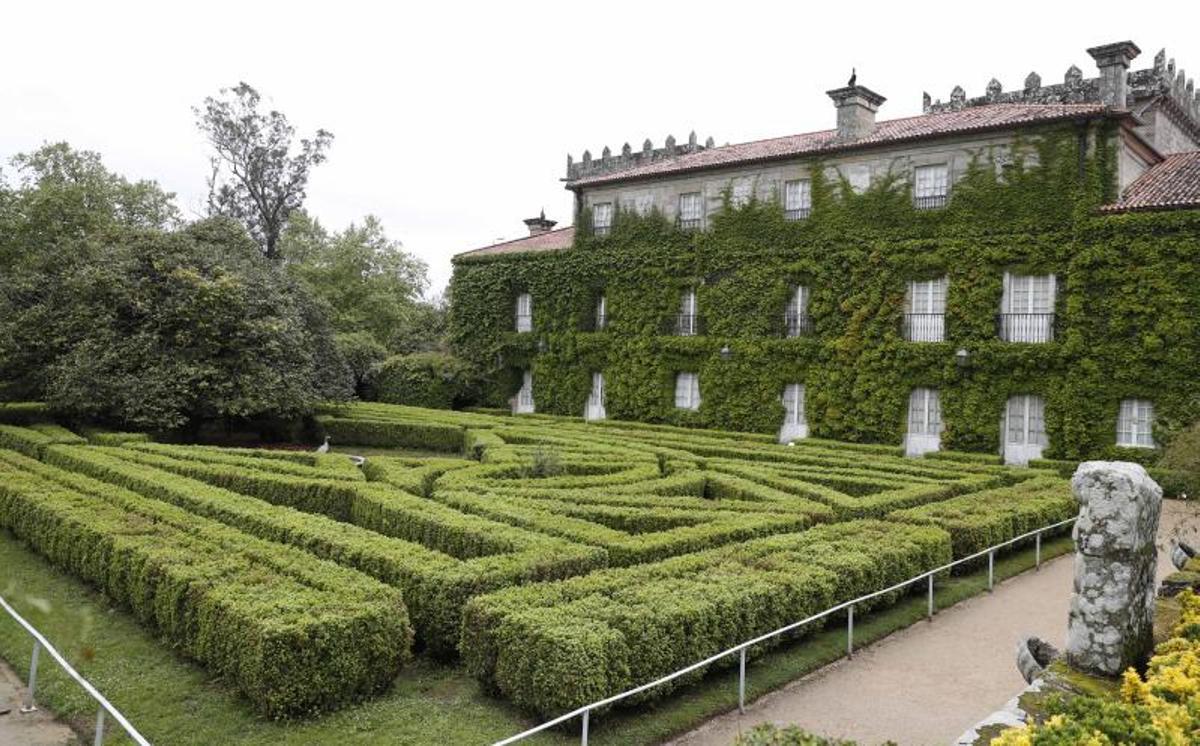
856	107
539	225
1113	61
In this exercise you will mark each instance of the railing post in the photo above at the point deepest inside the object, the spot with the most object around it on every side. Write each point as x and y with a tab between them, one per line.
28	705
742	683
850	633
1037	551
929	613
991	569
584	736
99	728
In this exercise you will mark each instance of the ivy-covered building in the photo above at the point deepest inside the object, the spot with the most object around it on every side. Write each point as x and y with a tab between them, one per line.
1015	273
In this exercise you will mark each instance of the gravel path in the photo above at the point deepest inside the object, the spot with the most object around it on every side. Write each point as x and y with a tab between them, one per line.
928	683
30	729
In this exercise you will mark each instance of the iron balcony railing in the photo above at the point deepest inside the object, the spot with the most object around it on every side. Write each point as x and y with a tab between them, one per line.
27	703
797	325
925	327
1025	327
685	325
800	213
848	606
930	202
524	322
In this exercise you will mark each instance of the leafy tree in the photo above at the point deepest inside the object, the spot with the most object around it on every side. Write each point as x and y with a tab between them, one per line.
368	281
362	354
256	177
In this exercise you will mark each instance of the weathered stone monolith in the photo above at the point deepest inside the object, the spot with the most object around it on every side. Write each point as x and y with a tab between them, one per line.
1112	610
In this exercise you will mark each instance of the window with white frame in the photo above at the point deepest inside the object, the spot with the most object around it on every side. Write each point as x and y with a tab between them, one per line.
1027	308
925	319
1135	424
793	404
1025	421
524	403
601	312
931	185
602	214
687	322
687	391
742	191
797	199
691	211
795	317
924	412
595	402
524	312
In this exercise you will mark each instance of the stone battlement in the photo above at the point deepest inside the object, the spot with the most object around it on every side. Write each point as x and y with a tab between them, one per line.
607	162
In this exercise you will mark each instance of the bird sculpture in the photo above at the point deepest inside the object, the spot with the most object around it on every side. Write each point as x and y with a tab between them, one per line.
324	447
853	77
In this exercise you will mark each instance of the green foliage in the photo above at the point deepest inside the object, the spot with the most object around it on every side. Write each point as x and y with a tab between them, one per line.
1179	466
767	734
362	355
429	436
296	635
23	413
425	379
1126	318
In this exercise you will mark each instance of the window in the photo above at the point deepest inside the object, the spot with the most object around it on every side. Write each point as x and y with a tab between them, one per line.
524	312
794	423
1025	421
687	322
687	391
925	319
691	211
602	218
601	312
924	412
524	398
595	402
1135	424
797	199
795	317
742	192
931	184
1027	308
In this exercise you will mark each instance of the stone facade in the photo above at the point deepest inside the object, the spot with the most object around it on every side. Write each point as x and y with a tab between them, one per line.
1112	611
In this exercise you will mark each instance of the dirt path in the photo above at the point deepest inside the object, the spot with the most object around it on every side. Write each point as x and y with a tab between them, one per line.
29	729
929	683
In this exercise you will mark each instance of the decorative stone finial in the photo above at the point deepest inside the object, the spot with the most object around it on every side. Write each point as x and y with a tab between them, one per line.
626	151
1111	623
1074	76
670	143
994	89
1160	61
1033	81
606	153
1171	70
926	101
587	158
709	142
692	139
647	147
958	97
570	161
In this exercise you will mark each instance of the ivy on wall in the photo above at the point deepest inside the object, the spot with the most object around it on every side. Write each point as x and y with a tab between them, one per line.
1128	294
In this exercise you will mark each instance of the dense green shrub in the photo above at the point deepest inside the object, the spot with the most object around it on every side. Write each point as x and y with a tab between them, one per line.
35	438
551	647
23	413
295	634
767	734
425	379
426	436
362	354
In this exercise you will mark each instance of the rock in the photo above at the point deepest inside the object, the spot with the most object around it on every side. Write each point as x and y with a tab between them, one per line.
1112	610
1033	655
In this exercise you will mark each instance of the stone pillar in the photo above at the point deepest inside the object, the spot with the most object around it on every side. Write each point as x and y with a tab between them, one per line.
1113	61
1112	611
856	108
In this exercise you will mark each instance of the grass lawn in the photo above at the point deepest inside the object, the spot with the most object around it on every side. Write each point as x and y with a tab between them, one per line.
174	701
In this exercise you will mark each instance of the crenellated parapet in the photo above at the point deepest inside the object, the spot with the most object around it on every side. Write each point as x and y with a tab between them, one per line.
1162	82
609	162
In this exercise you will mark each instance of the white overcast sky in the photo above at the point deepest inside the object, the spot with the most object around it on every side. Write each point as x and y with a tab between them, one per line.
453	120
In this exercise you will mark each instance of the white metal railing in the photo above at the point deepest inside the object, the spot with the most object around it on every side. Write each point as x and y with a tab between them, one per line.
27	704
848	606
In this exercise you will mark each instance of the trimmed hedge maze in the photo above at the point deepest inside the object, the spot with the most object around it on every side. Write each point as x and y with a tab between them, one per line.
559	561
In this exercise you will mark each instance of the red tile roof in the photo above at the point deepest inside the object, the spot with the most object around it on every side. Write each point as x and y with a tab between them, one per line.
548	241
971	119
1171	184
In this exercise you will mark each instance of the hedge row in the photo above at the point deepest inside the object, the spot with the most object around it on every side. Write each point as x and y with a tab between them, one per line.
1175	483
984	519
551	647
33	440
23	412
297	635
430	436
435	583
310	465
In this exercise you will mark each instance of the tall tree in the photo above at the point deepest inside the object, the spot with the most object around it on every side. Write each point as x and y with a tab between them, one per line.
257	179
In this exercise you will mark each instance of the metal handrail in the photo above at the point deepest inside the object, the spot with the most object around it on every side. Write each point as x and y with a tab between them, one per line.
585	711
27	705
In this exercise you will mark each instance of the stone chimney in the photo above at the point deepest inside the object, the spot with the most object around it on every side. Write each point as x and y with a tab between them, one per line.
1113	61
856	107
539	225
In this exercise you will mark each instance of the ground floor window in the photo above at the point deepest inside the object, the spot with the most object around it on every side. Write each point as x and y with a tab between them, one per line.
1024	428
595	403
687	391
924	422
523	403
1135	423
794	423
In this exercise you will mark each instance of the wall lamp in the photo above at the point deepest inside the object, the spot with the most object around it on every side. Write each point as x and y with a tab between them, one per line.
726	353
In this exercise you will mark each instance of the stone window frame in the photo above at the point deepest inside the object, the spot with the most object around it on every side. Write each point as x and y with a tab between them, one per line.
602	218
801	207
931	197
691	220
